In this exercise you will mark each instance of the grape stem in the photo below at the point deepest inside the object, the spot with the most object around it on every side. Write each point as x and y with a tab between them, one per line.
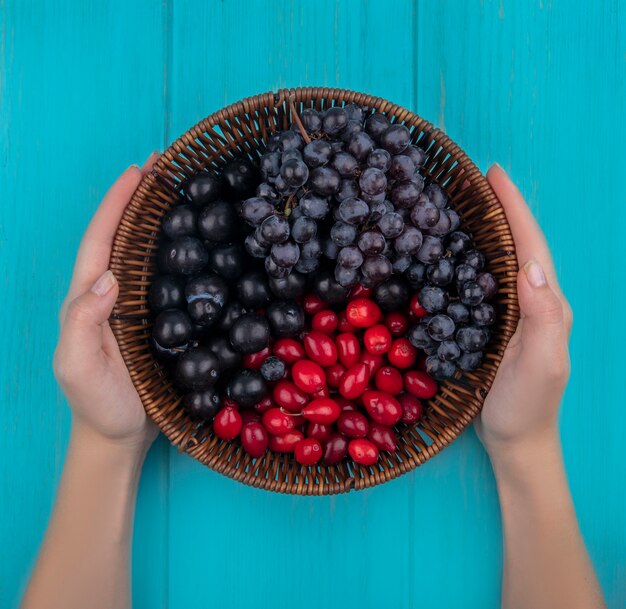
289	205
296	118
290	414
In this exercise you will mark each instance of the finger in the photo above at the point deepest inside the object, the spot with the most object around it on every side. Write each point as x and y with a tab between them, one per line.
101	230
95	249
81	337
530	241
544	338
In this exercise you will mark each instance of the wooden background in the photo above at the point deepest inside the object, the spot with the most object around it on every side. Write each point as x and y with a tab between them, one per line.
88	87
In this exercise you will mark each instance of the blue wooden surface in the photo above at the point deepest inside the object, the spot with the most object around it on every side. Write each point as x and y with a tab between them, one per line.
87	88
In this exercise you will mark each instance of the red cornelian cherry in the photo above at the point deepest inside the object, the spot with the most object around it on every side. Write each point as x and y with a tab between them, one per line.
277	422
382	437
254	360
373	361
308	376
289	397
325	321
249	416
353	424
397	323
417	310
335	449
360	291
344	324
412	408
312	304
228	403
402	353
354	381
227	424
320	348
264	405
319	431
377	339
389	379
285	443
254	439
322	410
363	451
348	349
334	374
420	384
308	451
363	313
288	350
382	407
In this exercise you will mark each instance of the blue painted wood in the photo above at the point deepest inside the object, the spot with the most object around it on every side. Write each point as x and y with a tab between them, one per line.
540	87
81	98
85	90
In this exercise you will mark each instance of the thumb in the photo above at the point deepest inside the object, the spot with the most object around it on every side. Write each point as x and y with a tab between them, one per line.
82	330
543	334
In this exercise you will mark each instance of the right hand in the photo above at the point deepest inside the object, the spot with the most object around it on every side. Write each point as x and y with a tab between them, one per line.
522	406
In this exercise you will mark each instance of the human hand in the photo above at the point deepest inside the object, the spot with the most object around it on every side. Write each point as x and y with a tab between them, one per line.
521	410
87	362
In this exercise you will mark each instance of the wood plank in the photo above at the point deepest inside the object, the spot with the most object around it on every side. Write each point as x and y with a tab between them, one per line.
254	46
252	547
81	98
540	88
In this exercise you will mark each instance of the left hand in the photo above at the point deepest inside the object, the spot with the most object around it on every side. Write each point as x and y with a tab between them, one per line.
87	362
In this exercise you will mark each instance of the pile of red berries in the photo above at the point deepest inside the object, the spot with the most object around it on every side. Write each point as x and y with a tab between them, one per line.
345	387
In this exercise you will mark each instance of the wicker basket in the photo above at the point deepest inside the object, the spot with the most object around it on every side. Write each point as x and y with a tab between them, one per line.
240	129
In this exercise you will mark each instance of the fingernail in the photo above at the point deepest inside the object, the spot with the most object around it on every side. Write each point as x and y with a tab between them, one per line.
133	166
104	284
498	166
157	152
534	273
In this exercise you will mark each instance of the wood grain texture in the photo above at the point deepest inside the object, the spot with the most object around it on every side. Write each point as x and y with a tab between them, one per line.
87	89
81	99
540	87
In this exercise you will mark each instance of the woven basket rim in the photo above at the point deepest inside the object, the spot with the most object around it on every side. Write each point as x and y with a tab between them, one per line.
220	136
